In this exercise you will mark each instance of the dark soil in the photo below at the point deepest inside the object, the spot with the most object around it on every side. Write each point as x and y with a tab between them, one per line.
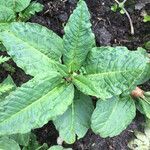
110	29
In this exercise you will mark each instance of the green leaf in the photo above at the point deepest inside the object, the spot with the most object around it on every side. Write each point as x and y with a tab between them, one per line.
20	5
111	117
34	145
8	144
111	71
76	120
33	47
143	106
59	148
21	139
146	18
3	59
78	38
7	3
6	87
6	14
15	5
114	7
2	48
35	103
147	45
30	10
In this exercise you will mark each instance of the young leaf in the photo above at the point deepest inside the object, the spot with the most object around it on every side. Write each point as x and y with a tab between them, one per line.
146	18
111	71
111	117
30	10
32	46
8	144
6	87
35	103
78	38
143	106
76	120
3	59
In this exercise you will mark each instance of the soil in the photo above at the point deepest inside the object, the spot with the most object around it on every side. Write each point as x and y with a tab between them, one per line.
110	29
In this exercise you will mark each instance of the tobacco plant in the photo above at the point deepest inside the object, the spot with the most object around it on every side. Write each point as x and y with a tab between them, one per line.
67	72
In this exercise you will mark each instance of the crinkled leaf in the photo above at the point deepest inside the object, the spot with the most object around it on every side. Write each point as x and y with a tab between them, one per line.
76	120
111	71
30	10
78	38
7	3
35	103
8	144
112	116
32	46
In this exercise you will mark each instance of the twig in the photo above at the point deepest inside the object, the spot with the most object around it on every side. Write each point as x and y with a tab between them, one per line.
128	15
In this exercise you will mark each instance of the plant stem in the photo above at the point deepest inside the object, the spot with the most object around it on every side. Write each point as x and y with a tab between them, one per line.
128	15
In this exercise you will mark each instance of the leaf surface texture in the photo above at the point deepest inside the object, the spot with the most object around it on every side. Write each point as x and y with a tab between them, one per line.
76	120
112	116
78	38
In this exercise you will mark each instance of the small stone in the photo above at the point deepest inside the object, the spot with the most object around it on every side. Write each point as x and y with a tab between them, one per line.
63	17
73	2
103	36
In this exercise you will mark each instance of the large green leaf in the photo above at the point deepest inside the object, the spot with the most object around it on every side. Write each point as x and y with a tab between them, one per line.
76	120
8	144
111	71
78	38
32	46
35	103
111	117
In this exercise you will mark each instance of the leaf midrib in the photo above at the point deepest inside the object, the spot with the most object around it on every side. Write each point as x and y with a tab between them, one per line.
33	103
29	45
